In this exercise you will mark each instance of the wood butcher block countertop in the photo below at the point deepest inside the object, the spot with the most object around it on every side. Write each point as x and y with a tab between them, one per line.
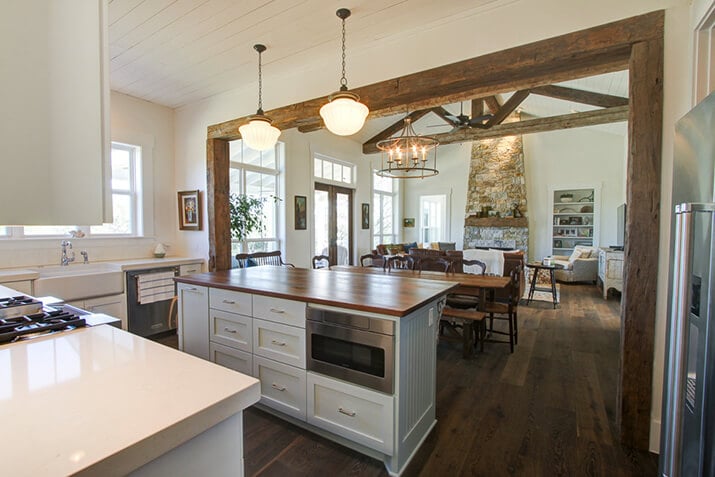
388	295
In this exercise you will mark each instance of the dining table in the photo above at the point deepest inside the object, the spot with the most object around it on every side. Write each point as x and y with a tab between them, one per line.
469	284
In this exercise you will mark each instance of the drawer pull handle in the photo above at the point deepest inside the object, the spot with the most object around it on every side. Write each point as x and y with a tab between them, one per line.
229	330
347	412
278	387
191	290
277	310
278	343
229	302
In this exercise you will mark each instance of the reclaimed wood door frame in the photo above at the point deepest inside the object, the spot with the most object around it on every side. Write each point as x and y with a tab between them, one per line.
635	44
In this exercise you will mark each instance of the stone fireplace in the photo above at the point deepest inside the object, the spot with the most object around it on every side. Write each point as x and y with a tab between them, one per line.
496	212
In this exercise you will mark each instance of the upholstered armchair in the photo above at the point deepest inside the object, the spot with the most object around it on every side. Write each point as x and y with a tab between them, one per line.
581	266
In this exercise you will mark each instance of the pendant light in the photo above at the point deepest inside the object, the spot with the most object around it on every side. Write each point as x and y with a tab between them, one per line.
259	134
344	114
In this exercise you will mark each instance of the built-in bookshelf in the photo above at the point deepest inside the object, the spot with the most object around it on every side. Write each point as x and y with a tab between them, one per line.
573	219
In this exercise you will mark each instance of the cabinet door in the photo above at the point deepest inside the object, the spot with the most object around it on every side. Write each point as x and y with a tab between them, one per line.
282	386
193	327
55	90
231	358
279	342
113	305
358	414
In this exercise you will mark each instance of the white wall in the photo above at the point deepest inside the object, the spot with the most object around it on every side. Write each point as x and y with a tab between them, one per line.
452	180
573	158
136	122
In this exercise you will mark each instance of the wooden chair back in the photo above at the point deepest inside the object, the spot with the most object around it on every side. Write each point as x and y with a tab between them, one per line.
246	260
476	263
371	260
320	261
436	264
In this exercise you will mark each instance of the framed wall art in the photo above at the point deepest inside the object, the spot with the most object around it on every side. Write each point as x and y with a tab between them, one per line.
190	210
408	222
301	212
365	219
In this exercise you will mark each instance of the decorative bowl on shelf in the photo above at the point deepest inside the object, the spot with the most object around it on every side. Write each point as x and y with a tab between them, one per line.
566	197
587	209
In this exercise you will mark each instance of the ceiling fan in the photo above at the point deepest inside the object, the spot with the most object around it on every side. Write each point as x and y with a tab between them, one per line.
462	121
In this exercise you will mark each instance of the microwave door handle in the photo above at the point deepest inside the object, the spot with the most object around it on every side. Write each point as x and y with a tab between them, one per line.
678	333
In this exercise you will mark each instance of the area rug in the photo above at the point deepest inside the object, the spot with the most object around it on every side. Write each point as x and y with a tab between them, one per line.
543	287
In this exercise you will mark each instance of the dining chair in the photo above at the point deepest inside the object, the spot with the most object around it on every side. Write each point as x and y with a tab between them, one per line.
506	311
371	260
437	264
456	300
400	262
320	261
256	259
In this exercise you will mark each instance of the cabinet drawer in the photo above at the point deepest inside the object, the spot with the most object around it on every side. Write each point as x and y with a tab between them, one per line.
282	386
231	358
231	329
279	342
288	312
232	301
189	268
21	286
353	412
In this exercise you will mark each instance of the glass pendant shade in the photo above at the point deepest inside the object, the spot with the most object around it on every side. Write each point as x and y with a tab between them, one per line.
259	134
344	115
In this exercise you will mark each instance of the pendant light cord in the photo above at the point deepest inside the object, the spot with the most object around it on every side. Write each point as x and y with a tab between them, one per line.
260	83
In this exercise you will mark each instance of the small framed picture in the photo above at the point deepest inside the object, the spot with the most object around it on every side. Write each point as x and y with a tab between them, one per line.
410	222
189	210
365	219
301	212
557	243
575	221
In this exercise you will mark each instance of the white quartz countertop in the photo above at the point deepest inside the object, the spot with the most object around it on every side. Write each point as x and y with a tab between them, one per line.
101	401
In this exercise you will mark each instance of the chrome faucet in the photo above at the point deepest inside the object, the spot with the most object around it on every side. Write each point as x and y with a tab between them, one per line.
65	259
85	257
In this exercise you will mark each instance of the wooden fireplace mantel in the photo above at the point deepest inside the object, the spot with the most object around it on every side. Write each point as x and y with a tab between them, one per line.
474	221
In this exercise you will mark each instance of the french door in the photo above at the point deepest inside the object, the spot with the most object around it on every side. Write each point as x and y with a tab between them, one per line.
333	221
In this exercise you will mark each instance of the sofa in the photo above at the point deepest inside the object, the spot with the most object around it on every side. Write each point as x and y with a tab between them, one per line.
395	248
580	266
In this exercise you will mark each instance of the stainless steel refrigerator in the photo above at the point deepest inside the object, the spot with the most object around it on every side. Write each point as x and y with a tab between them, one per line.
688	420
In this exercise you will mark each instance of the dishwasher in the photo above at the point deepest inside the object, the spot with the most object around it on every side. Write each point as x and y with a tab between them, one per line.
150	297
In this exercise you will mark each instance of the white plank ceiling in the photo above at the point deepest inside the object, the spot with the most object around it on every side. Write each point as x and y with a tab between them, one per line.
174	52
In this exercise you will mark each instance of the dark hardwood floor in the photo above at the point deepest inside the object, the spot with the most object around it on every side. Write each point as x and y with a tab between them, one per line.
546	410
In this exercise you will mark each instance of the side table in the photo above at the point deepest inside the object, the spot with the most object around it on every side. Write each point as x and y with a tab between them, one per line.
537	267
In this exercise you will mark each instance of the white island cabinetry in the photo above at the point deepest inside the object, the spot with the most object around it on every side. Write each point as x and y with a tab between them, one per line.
261	334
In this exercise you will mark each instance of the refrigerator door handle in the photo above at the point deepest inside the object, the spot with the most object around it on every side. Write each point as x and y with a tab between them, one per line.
673	411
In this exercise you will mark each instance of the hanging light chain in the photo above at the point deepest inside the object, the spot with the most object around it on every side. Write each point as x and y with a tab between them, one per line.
343	79
260	82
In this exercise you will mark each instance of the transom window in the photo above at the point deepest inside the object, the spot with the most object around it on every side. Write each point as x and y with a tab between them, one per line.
333	171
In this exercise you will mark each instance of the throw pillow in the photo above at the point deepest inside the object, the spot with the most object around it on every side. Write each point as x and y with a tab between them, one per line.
408	246
447	246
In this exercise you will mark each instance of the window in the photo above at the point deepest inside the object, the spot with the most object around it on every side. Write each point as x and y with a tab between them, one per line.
333	171
384	204
125	163
433	218
125	197
256	173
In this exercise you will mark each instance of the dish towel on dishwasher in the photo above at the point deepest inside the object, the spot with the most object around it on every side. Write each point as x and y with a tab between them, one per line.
493	259
153	287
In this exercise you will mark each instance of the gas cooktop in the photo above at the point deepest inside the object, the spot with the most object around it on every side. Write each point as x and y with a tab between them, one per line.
18	306
38	324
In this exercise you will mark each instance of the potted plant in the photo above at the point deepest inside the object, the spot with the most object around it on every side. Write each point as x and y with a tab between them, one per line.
246	215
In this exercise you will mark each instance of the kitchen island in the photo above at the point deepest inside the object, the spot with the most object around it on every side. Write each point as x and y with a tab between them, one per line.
254	321
101	401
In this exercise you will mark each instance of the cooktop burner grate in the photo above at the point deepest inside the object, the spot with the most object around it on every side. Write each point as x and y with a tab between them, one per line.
15	328
18	306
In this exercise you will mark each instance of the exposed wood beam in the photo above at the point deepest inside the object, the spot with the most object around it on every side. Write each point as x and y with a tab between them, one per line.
443	113
398	126
574	55
507	108
554	123
493	104
478	107
579	96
